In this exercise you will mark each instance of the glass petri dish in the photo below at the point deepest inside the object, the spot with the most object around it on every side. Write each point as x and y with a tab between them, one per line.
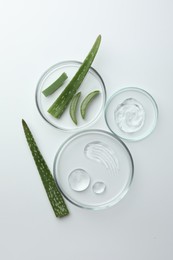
92	81
93	169
131	113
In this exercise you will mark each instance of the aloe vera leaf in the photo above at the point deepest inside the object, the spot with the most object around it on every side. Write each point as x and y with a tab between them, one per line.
61	103
54	195
73	107
55	85
87	100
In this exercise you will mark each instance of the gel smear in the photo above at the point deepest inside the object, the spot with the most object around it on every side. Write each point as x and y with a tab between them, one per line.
130	116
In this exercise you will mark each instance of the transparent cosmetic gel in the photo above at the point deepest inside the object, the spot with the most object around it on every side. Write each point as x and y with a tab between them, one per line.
102	153
130	115
79	180
99	187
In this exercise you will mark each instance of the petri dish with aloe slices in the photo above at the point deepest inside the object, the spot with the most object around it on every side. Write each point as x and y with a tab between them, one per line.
92	82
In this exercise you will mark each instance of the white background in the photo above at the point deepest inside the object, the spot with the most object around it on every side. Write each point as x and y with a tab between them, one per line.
136	49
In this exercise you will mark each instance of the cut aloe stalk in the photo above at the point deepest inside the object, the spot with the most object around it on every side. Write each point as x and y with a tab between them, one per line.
55	85
61	103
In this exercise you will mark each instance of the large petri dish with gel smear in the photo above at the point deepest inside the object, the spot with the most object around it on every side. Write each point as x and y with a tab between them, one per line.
93	169
131	114
92	81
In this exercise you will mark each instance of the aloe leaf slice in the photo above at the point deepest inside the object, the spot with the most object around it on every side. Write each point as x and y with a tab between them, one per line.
87	100
73	107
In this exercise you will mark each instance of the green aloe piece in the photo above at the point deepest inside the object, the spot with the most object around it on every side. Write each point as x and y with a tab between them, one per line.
87	100
73	107
61	103
55	85
54	195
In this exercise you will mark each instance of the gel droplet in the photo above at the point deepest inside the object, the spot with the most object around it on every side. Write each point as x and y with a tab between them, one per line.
99	187
79	180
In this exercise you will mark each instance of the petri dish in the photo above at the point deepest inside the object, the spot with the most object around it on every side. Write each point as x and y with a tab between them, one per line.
92	81
93	169
131	113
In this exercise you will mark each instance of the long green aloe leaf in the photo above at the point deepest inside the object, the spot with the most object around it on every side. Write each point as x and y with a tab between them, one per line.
61	103
54	195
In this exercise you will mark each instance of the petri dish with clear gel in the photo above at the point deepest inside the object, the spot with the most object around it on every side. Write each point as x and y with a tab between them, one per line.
92	81
131	113
93	169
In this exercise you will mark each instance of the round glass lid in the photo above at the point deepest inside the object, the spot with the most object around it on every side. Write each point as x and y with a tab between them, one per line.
93	169
131	113
92	82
